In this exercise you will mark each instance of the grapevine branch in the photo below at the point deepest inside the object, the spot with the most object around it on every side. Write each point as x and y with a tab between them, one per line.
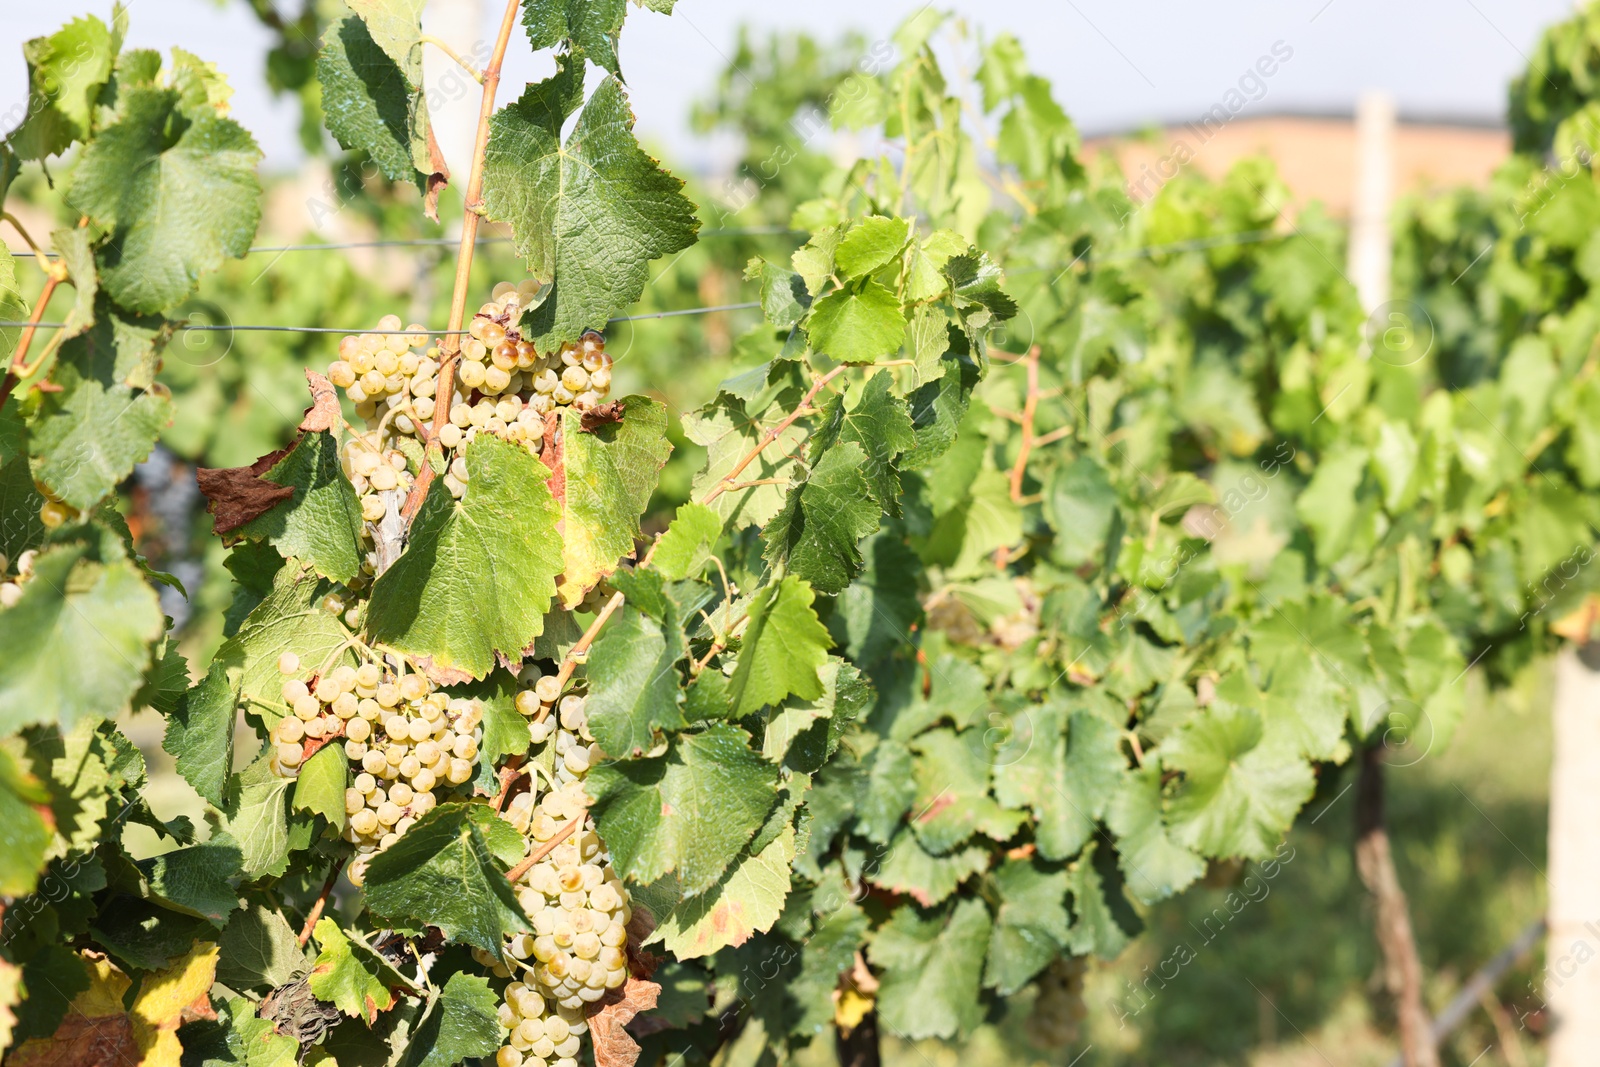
19	360
450	344
543	850
1030	408
1402	967
321	902
773	434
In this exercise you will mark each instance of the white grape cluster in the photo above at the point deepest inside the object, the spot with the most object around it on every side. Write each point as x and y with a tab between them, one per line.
404	740
579	907
11	588
1059	1010
502	387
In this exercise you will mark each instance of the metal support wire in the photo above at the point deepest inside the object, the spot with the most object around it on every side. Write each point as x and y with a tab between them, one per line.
426	242
225	328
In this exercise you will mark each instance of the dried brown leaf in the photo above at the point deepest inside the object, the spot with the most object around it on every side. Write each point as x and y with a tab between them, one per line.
613	1045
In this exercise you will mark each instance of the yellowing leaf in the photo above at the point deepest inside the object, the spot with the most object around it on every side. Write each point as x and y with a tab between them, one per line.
98	1031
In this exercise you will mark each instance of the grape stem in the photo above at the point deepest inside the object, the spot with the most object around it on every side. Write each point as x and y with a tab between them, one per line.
321	902
772	435
19	361
472	72
450	344
544	850
1030	408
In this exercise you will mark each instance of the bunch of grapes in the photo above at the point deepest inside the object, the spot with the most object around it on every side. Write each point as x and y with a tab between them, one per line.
404	740
503	386
11	588
579	907
1059	1010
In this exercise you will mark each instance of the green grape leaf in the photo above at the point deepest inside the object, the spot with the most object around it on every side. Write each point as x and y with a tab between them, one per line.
461	1024
145	935
443	873
975	284
319	787
803	734
1153	864
875	613
611	467
747	901
685	548
94	613
1068	774
1031	925
870	243
86	438
861	323
813	261
784	299
13	308
634	687
906	867
76	248
351	976
825	516
435	600
24	836
886	792
730	433
826	954
783	650
505	729
166	682
197	880
587	26
175	203
320	523
551	193
1103	923
1238	795
199	733
881	425
370	73
396	27
1081	504
291	618
931	969
256	820
66	72
953	802
258	950
244	1040
925	278
688	812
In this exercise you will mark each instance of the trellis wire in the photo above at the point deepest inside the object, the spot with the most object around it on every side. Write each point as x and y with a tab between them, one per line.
451	242
202	327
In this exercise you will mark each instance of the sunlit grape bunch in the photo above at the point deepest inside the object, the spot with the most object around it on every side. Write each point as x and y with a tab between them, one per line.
541	1033
11	587
550	715
580	909
404	740
1059	1010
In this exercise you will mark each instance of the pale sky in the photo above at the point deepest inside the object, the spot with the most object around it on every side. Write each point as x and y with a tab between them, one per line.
1116	64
